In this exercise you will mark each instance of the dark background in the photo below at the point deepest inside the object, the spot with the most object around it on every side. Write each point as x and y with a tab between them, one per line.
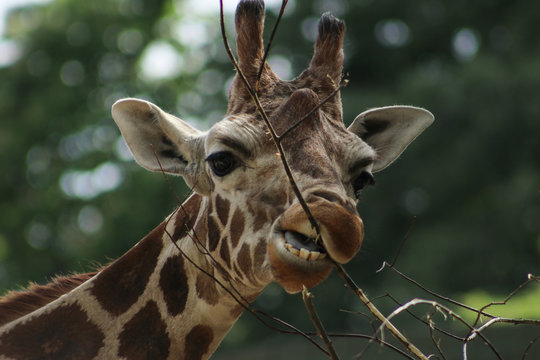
71	197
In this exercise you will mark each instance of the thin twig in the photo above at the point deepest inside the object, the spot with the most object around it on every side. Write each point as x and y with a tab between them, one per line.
371	338
269	44
404	240
255	98
307	296
343	84
531	343
436	342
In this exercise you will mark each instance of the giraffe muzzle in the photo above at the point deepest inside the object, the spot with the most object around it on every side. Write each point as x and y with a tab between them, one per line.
341	231
297	259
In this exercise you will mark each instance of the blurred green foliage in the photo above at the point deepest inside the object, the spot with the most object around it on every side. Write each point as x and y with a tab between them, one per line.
71	197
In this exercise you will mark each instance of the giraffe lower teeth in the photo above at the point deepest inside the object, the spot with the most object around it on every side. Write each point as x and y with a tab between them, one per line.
303	247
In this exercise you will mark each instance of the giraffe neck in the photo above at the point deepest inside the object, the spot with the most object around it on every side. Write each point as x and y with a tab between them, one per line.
159	299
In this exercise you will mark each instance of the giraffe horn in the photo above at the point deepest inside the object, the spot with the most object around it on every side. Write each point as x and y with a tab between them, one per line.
249	23
328	55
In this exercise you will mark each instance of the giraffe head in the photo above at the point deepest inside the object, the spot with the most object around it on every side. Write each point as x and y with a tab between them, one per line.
236	166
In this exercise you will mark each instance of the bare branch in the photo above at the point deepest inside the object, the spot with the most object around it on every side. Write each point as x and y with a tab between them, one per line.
275	138
267	50
531	343
343	84
307	296
404	240
436	342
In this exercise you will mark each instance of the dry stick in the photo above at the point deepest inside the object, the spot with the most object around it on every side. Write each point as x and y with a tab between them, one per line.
276	140
261	111
385	322
307	296
267	50
531	343
432	327
344	83
372	338
403	241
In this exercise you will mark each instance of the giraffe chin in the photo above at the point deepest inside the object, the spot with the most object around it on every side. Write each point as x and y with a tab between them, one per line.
293	272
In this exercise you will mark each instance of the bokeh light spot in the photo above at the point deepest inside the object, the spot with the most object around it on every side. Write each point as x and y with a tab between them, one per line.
160	61
72	73
465	44
392	33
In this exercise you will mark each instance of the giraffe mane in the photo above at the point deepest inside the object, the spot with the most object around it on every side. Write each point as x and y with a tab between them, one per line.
16	304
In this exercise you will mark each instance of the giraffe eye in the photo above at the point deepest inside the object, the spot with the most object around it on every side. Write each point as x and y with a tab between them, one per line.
361	181
222	163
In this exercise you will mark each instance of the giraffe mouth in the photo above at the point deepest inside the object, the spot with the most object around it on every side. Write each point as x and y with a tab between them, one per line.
303	246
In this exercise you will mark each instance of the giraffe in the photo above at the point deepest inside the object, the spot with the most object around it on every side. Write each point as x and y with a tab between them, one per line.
178	291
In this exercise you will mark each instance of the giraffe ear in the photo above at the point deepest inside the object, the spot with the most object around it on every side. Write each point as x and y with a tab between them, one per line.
389	130
152	134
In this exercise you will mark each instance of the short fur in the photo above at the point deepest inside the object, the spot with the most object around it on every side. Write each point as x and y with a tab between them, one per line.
16	304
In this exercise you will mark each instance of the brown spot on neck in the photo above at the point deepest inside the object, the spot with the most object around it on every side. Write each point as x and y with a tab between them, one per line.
186	217
222	209
64	333
19	303
224	252
213	232
206	288
198	342
145	335
237	227
119	286
244	261
174	284
260	254
260	219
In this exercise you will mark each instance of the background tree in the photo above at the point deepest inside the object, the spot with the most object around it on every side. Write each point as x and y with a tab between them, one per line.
71	195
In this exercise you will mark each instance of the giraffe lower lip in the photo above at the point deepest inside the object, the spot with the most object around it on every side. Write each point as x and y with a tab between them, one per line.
303	247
